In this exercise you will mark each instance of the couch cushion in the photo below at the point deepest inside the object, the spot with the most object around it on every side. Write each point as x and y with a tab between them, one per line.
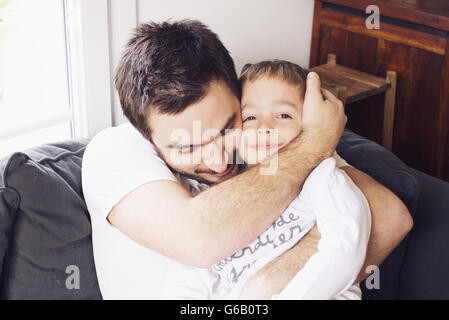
380	164
391	172
9	202
47	224
424	274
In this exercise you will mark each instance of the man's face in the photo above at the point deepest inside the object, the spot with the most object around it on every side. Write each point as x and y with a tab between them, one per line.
195	142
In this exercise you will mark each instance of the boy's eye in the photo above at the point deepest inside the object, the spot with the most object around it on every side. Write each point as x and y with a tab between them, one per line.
249	118
285	116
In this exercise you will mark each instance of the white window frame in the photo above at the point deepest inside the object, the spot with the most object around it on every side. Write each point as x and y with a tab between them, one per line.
122	22
88	65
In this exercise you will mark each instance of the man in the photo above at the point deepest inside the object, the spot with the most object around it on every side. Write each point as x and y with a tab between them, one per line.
172	77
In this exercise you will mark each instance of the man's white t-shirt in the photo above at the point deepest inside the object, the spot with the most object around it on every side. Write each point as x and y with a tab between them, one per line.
117	161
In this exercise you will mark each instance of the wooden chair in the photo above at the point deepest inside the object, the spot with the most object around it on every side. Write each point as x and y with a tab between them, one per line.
351	85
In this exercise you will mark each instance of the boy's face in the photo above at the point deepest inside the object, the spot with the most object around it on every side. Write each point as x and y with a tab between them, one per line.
272	117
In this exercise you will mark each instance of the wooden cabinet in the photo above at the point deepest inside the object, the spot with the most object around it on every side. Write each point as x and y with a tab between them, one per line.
413	40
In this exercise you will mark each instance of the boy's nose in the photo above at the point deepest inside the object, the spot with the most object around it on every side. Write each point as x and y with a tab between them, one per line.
265	130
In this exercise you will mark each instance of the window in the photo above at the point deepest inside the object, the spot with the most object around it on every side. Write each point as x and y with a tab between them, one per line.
54	72
35	102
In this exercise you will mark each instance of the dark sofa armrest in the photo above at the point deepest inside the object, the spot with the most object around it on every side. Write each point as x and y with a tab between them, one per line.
425	272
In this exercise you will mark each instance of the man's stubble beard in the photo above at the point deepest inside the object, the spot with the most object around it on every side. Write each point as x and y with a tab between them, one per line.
198	177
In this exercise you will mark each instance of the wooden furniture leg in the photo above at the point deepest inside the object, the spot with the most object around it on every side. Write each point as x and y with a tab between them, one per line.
331	58
390	95
341	91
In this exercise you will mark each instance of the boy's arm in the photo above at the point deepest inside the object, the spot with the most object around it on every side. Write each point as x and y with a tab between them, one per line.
391	222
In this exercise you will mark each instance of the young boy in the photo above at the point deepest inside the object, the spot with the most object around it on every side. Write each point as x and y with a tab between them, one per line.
271	106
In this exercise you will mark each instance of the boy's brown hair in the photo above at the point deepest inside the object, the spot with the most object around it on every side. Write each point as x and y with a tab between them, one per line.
281	69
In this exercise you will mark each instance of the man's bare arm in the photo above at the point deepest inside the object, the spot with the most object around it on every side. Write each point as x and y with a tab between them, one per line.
391	222
200	231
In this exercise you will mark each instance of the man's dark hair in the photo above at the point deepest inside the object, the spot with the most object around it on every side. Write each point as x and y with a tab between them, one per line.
168	66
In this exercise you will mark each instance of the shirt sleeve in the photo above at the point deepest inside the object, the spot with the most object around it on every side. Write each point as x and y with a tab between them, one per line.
353	293
340	162
117	161
344	221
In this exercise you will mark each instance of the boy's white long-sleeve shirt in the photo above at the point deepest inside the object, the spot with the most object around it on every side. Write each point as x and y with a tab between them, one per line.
328	198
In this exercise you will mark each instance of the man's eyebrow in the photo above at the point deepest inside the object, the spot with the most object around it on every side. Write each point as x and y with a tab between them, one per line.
227	125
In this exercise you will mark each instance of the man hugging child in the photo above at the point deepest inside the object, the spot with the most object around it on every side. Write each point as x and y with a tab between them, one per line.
271	107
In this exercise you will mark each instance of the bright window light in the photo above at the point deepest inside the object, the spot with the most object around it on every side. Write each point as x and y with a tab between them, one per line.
35	103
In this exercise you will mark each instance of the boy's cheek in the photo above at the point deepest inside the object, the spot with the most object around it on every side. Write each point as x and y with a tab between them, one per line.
248	138
291	133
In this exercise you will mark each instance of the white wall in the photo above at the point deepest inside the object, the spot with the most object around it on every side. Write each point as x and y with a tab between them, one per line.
252	30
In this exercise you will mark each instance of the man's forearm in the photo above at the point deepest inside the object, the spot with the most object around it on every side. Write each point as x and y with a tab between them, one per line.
241	208
390	223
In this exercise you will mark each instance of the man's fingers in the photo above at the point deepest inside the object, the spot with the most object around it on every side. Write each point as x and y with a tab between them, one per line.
329	95
315	91
313	87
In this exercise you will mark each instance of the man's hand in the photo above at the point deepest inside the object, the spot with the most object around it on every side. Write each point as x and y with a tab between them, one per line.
323	118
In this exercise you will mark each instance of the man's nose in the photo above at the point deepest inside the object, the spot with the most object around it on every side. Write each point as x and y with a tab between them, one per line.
215	156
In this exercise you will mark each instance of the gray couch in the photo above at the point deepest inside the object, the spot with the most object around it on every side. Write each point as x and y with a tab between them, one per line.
45	227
